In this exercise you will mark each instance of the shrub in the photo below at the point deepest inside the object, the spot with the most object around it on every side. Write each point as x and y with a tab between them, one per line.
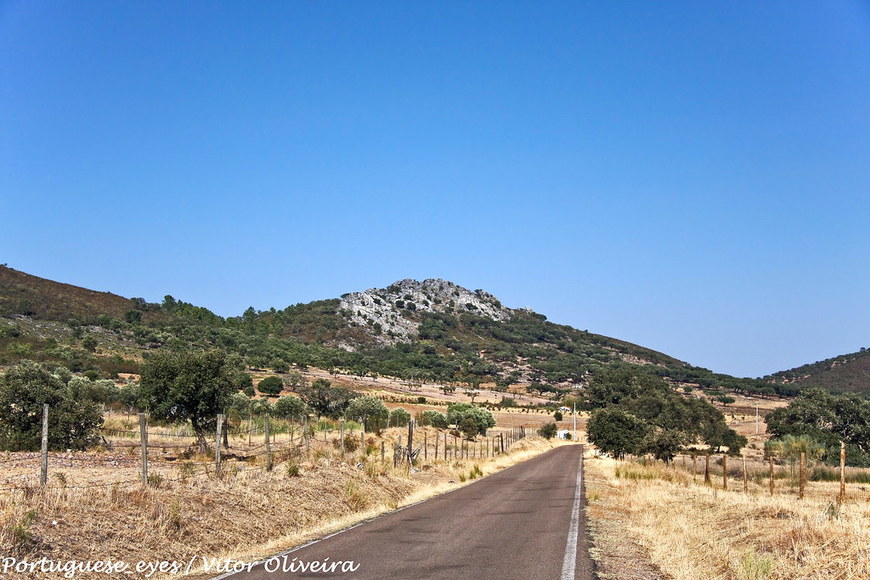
369	409
351	443
433	418
399	417
271	386
73	415
548	431
475	419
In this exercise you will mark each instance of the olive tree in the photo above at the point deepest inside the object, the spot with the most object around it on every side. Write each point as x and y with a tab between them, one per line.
370	410
74	416
188	386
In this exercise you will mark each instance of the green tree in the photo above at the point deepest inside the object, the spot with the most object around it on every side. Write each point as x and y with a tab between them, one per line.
262	407
548	431
89	343
664	444
369	410
130	396
271	386
478	420
290	408
325	399
828	419
399	417
188	386
242	380
295	381
616	432
434	418
790	447
74	416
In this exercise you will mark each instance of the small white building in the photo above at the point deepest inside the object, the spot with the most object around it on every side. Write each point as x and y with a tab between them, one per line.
563	434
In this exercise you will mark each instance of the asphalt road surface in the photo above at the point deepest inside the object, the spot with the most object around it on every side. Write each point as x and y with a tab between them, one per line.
524	522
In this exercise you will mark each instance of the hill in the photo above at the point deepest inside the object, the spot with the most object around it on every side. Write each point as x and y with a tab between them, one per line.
29	295
432	330
848	373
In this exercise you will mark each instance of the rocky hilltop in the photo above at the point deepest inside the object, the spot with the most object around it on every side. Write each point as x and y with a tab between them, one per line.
393	314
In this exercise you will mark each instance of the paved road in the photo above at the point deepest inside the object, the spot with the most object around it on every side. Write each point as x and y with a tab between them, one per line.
524	522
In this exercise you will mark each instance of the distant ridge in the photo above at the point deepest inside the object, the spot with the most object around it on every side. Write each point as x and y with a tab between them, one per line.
847	373
431	330
29	295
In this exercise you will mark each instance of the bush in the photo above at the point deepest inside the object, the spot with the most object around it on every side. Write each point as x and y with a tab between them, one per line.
548	431
290	407
399	417
351	443
271	386
433	418
369	409
470	419
73	416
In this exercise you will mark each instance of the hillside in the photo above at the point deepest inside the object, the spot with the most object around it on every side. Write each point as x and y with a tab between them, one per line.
848	373
28	295
432	330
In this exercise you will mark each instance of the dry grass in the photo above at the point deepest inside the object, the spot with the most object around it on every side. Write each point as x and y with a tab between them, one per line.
246	514
693	531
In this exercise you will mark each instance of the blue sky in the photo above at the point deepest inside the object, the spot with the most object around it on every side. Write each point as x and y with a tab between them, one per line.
689	176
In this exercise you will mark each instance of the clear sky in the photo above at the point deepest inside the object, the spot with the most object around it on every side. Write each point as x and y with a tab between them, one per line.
690	176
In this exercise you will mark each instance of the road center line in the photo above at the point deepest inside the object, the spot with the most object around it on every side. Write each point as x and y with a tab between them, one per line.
570	562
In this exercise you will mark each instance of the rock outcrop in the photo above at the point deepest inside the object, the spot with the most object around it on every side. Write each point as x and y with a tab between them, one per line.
393	314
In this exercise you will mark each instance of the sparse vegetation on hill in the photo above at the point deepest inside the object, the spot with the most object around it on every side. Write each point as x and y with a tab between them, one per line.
848	373
452	344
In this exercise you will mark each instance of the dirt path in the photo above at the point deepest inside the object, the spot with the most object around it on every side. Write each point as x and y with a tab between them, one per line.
524	522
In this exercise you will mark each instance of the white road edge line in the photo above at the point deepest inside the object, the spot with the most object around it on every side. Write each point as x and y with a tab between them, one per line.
569	564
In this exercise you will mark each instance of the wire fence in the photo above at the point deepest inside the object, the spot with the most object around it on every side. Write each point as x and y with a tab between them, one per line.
28	472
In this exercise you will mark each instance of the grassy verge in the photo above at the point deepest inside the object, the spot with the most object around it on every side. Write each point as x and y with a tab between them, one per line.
689	530
244	515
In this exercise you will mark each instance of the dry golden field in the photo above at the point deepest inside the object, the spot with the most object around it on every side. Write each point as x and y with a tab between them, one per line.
688	530
95	508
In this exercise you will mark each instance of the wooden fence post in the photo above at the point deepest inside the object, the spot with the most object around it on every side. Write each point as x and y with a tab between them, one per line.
725	472
745	477
694	467
383	450
411	442
803	475
143	440
217	445
341	435
425	445
771	475
842	496
707	469
43	471
436	445
267	427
